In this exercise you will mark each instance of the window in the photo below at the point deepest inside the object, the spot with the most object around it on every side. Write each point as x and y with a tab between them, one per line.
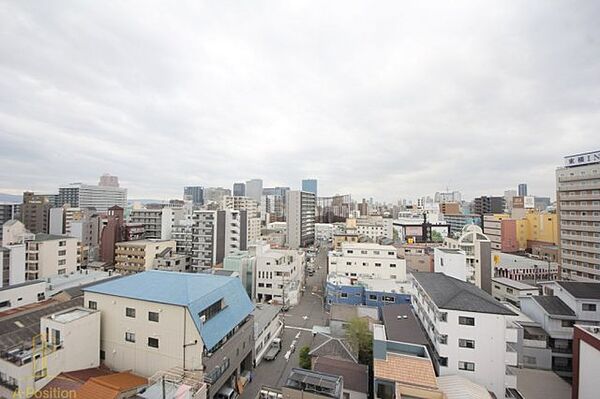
377	264
211	311
466	343
102	355
589	307
62	262
466	321
390	252
387	298
467	366
372	297
130	337
93	305
343	295
41	296
443	339
567	323
153	316
443	316
444	361
62	252
392	265
130	312
153	342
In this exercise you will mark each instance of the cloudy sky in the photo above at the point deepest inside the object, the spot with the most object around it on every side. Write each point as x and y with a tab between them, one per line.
389	100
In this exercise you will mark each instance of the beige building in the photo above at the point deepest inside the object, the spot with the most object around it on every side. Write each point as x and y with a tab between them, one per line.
48	255
339	239
138	256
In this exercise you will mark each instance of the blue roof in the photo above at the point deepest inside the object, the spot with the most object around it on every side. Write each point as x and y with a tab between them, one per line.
196	291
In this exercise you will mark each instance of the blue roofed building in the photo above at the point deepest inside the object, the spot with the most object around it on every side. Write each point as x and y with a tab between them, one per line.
157	320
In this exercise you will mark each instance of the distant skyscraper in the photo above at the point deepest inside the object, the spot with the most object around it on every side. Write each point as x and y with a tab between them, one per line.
239	190
310	185
194	194
254	189
107	180
101	198
523	190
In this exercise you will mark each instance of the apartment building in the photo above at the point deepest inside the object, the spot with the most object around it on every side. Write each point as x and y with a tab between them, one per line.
512	234
379	261
47	255
12	264
151	219
8	212
511	291
365	290
485	205
471	333
578	209
252	211
564	304
35	212
215	234
194	194
139	255
586	362
477	248
450	261
341	238
300	217
418	256
279	275
268	325
158	320
100	198
372	227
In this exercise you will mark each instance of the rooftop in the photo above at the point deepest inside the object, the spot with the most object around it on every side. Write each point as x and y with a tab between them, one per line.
263	315
459	387
110	386
406	370
50	237
70	315
20	285
139	243
367	245
345	312
554	305
356	376
541	384
315	382
326	346
450	250
196	291
514	284
401	324
450	293
582	290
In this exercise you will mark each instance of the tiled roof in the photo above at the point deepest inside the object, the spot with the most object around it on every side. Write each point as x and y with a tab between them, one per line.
356	376
582	290
454	294
110	386
554	305
196	291
406	370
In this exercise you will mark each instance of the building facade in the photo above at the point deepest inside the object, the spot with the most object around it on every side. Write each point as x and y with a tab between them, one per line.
300	217
378	261
310	185
48	255
100	198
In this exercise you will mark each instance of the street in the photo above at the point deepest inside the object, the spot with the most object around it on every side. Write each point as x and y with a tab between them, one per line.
299	321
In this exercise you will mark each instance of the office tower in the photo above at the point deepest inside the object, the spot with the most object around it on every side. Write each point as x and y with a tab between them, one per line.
35	212
300	217
254	189
107	180
239	190
310	185
8	212
194	194
216	234
484	205
100	198
578	208
215	194
334	209
523	190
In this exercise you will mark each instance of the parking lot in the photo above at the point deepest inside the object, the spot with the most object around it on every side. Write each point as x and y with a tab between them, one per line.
299	321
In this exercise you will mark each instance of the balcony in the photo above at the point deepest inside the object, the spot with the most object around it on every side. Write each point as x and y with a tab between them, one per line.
511	333
510	378
565	197
511	356
585	218
578	227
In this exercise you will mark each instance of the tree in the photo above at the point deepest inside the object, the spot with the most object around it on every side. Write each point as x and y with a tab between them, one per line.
360	339
436	236
305	358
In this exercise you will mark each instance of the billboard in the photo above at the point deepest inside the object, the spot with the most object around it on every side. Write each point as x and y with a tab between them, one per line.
518	202
529	202
582	159
413	231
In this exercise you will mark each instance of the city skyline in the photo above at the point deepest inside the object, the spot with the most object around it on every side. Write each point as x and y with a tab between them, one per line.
475	97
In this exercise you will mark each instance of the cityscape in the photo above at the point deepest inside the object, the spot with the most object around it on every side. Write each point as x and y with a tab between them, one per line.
297	200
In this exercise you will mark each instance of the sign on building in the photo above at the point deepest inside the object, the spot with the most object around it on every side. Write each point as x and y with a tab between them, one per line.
582	159
529	202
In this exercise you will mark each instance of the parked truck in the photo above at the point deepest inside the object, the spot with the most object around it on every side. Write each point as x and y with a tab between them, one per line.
274	349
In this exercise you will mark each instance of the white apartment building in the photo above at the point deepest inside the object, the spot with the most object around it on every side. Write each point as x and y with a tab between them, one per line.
241	204
578	209
477	248
267	327
158	320
372	227
471	333
511	291
216	234
300	217
68	340
279	275
101	198
139	255
324	231
12	264
47	255
451	262
378	261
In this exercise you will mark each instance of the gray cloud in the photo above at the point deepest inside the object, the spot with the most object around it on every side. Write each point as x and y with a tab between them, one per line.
389	100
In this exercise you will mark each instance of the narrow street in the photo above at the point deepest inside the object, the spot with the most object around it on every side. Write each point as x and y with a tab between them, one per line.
299	321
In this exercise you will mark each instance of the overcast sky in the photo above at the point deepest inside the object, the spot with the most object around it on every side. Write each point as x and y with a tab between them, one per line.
385	100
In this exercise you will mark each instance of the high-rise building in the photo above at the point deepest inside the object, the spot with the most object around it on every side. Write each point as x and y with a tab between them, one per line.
310	185
107	180
485	205
215	194
35	212
578	208
333	209
448	196
253	215
194	194
101	198
8	212
239	190
508	198
254	189
523	190
300	217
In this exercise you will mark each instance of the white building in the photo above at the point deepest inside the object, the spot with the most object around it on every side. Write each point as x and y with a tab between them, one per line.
372	227
139	255
279	275
158	320
324	231
101	198
12	264
511	291
471	333
216	234
517	267
300	217
14	232
379	261
251	207
451	262
586	361
267	326
47	255
22	294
